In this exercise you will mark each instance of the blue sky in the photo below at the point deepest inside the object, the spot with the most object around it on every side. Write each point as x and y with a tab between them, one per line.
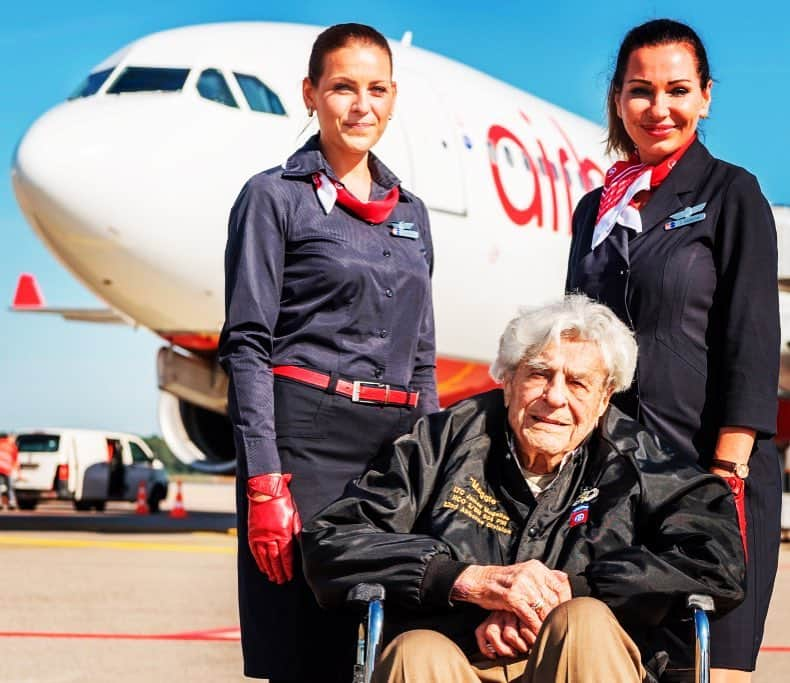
76	374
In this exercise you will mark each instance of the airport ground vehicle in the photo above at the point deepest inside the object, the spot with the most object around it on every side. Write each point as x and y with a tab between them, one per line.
88	467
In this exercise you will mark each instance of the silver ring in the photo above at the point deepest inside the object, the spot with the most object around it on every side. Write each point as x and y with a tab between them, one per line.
538	604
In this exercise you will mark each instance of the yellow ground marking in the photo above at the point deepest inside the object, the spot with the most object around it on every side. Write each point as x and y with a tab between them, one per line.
213	534
31	542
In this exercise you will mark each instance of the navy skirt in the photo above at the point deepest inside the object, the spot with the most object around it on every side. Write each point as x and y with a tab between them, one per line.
325	441
736	637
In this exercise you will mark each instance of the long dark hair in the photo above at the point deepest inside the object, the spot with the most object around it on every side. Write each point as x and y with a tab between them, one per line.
649	34
338	36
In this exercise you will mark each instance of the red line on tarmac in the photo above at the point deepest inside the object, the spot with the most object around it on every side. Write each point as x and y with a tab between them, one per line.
216	634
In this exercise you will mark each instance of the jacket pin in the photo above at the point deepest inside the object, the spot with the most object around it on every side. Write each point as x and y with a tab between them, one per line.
585	496
404	229
691	214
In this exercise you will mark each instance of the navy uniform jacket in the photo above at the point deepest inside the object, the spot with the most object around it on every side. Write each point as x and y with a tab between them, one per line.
327	292
702	299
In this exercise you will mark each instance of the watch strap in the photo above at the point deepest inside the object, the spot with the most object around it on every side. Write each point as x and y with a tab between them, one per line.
730	466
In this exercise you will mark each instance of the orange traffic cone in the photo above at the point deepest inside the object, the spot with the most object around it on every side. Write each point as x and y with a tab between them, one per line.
178	511
142	503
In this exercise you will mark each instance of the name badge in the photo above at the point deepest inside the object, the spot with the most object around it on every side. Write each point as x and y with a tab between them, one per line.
404	229
689	215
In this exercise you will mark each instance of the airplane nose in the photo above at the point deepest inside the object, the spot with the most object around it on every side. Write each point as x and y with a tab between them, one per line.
51	191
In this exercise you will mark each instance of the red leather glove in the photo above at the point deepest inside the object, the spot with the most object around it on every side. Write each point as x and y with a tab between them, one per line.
272	524
738	487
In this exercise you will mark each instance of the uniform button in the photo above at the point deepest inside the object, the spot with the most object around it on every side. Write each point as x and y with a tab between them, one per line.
378	373
388	292
387	252
383	333
532	532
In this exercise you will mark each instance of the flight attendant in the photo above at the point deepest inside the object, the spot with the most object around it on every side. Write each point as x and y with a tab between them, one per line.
328	343
683	247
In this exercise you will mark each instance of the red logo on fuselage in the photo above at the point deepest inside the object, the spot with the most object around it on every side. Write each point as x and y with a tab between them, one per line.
557	173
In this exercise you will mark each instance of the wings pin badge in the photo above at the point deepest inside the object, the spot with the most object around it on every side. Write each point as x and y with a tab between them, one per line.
691	214
404	229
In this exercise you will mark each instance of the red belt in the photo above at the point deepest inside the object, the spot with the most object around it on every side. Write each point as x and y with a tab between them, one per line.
357	390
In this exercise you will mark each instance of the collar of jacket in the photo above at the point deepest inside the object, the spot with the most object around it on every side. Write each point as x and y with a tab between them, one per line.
571	456
310	159
690	170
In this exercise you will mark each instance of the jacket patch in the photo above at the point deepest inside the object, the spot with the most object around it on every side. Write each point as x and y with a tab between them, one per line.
579	515
481	507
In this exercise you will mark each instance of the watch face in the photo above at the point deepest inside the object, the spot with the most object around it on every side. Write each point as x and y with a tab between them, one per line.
741	471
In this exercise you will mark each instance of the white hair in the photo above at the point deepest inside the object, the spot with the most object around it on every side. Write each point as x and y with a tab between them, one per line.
574	317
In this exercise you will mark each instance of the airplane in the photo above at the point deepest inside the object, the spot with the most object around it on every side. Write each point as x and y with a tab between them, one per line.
129	183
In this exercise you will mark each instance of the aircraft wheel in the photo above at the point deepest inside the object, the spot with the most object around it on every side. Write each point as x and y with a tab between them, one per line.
99	505
27	503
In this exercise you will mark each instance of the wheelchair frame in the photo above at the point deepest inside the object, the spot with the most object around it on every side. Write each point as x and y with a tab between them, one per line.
370	598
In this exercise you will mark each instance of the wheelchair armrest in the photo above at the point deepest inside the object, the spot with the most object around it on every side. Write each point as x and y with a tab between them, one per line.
700	601
363	594
701	604
369	597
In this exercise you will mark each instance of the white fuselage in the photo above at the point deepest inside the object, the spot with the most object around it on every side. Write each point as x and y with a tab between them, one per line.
132	191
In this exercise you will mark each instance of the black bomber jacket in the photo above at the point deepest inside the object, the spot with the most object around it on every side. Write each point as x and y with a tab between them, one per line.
630	521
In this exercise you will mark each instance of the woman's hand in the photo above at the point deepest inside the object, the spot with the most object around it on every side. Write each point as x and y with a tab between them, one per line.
530	590
735	444
272	524
503	635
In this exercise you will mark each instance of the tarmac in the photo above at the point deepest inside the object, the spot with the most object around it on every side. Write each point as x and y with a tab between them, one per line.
119	597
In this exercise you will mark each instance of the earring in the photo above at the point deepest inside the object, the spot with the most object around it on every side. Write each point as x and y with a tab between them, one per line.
389	118
310	112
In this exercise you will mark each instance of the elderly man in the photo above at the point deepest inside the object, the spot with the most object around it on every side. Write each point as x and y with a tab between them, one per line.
534	533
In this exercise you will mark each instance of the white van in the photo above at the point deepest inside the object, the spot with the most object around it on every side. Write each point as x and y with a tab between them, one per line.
88	467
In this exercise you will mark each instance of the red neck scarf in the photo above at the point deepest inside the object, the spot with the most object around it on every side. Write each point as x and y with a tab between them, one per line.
375	212
623	174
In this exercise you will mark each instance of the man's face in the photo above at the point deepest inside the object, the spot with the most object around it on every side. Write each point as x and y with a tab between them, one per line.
554	401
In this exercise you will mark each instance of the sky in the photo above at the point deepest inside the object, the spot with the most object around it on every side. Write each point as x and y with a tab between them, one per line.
57	373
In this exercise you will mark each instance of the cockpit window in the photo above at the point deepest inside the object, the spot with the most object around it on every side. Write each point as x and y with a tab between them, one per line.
259	96
212	86
90	86
149	79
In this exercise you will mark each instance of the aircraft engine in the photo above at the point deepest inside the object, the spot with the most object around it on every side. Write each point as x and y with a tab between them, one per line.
193	411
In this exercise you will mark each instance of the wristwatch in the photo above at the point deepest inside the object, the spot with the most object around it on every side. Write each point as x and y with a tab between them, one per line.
739	469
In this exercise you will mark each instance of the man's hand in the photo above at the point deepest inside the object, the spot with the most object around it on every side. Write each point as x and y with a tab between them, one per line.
530	590
272	524
503	635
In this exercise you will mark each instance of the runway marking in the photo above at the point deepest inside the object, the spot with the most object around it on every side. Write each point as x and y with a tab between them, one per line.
115	545
231	634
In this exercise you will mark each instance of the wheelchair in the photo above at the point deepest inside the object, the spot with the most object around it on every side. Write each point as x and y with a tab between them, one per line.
369	598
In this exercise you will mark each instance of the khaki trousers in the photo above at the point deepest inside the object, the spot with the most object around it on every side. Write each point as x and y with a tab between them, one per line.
580	642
